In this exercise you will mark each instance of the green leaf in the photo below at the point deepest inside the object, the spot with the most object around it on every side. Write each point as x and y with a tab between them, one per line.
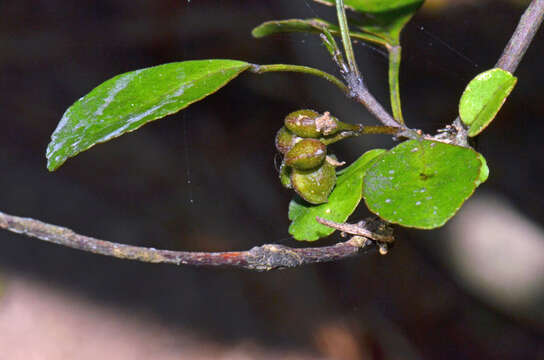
308	26
342	201
421	184
385	18
483	98
484	172
128	101
374	6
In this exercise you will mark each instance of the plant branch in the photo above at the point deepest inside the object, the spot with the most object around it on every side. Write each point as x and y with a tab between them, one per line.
387	130
358	91
260	258
361	130
371	228
346	39
385	235
261	69
523	35
361	94
355	88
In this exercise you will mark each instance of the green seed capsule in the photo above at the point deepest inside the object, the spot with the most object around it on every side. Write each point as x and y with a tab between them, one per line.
306	154
314	186
285	140
302	123
285	176
310	124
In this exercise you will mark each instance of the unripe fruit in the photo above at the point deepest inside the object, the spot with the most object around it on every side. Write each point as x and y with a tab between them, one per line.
285	140
306	154
314	186
310	124
302	123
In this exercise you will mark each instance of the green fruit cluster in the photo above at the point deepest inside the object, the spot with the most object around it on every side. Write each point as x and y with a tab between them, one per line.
302	141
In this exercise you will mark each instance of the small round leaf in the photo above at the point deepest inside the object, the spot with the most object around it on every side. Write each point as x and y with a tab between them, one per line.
421	184
483	98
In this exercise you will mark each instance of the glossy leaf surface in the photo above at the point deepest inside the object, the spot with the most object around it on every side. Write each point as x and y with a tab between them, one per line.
341	203
421	184
483	98
128	101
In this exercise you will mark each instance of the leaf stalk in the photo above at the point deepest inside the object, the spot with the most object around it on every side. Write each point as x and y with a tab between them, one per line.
261	69
394	89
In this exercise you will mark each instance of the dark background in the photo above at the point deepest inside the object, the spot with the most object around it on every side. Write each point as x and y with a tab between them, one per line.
135	189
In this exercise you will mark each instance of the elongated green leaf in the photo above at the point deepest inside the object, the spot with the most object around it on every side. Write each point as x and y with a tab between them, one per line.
422	184
342	201
308	26
483	98
128	101
385	19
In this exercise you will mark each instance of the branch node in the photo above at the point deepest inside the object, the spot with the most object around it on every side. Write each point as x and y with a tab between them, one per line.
273	256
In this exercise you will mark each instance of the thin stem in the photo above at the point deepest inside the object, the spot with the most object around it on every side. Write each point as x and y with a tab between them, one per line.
355	87
394	90
523	35
371	228
360	229
358	90
388	130
361	94
261	69
334	50
361	130
346	39
340	136
260	258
